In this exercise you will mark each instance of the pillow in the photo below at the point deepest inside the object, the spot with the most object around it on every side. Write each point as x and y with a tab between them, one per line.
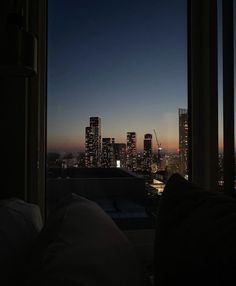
20	223
195	236
81	245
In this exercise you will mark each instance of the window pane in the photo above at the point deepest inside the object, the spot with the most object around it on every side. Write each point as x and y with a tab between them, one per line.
117	95
220	100
220	89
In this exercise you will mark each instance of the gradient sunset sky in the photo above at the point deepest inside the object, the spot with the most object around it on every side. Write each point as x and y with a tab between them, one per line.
122	60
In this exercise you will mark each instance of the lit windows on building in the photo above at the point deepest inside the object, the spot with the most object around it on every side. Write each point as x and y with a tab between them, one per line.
183	141
93	143
108	153
131	151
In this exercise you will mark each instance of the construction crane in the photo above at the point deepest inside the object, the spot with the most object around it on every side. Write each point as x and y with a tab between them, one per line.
158	150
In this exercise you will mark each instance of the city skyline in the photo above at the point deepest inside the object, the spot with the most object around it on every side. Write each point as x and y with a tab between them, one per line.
140	145
93	138
105	152
124	61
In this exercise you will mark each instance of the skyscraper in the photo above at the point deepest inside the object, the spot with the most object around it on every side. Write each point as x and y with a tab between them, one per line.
183	141
147	151
120	154
93	143
131	162
108	155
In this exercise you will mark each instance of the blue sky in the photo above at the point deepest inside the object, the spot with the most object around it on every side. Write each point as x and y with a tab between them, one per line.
122	60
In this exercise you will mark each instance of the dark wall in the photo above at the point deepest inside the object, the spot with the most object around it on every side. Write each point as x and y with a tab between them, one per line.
14	136
13	122
23	108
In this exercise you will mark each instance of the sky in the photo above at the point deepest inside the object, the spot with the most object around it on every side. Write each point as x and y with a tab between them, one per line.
122	60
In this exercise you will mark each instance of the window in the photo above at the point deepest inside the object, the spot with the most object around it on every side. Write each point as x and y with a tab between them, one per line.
117	96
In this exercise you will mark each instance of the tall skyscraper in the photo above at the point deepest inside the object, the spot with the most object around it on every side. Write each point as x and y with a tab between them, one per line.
120	154
183	141
108	154
93	143
147	152
89	150
131	162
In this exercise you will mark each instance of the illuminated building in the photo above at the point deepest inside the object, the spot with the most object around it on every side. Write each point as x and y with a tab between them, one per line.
131	163
120	154
108	155
183	141
147	152
93	143
139	161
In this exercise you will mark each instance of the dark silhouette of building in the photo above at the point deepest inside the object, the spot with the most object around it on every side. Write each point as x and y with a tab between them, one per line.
120	154
147	151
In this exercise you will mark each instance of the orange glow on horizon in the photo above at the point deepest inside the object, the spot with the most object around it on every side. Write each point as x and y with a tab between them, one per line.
66	145
75	144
